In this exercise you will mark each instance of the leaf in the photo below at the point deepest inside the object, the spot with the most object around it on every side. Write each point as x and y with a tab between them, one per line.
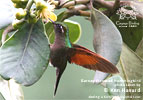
115	86
130	67
61	16
11	90
74	31
1	31
7	11
107	40
130	27
139	49
24	56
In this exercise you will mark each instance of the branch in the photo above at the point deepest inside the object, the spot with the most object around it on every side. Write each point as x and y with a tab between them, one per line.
29	4
84	13
81	7
71	3
112	6
102	3
75	12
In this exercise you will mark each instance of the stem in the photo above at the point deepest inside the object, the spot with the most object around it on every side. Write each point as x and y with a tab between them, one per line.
29	4
6	31
116	6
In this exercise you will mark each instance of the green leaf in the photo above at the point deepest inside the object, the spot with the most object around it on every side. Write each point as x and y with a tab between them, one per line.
131	67
7	11
115	86
130	29
49	28
24	56
61	16
1	31
139	49
74	31
11	90
107	40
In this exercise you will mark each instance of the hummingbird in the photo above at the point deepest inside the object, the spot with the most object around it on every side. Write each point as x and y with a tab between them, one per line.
63	51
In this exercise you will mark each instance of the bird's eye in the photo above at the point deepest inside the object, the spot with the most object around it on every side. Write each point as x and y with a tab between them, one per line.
61	27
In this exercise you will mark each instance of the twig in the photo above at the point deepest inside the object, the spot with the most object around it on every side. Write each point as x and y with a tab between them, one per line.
29	4
116	6
6	31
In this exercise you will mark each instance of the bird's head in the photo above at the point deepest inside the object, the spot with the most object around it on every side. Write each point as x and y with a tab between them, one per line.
60	28
61	32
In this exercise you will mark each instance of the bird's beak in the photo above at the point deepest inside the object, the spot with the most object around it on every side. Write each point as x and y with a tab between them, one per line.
51	21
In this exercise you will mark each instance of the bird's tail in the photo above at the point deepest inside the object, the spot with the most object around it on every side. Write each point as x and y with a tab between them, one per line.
58	76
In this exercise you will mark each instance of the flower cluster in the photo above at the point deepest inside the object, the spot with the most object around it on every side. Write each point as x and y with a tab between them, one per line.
45	9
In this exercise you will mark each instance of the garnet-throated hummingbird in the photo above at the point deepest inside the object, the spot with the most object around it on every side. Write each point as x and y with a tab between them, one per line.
63	51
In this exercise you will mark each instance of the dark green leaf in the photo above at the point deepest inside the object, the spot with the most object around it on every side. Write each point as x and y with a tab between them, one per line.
107	40
129	25
24	56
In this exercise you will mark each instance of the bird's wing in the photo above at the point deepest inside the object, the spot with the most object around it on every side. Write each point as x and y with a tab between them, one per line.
88	59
